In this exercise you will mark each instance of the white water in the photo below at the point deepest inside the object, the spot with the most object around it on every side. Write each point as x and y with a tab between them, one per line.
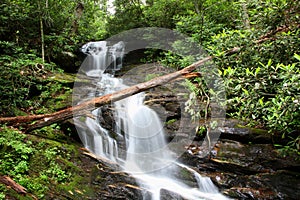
148	158
97	59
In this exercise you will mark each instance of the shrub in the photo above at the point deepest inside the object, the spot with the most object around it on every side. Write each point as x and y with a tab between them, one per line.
20	75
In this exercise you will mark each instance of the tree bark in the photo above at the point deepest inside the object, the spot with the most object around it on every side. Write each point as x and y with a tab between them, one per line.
78	13
11	183
84	108
246	18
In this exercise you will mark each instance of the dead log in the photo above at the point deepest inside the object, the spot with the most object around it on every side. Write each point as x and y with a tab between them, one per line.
84	108
11	183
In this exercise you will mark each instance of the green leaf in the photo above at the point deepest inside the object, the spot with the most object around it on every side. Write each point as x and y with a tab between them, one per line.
269	62
257	71
261	102
247	71
245	91
297	57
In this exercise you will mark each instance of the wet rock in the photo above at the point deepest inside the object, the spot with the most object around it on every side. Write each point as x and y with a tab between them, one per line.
249	171
167	195
111	183
238	131
250	193
286	183
254	157
246	135
106	117
259	186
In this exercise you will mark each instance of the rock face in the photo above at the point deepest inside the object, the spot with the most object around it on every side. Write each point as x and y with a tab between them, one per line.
107	181
250	171
167	195
114	185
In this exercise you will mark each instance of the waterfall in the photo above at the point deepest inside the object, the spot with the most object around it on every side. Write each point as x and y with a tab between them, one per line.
147	157
146	146
117	53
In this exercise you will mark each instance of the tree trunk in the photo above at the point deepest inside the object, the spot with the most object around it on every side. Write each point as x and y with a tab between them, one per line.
78	13
42	32
246	18
11	183
86	107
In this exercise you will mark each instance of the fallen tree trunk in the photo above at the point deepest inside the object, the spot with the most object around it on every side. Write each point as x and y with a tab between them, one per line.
84	108
11	183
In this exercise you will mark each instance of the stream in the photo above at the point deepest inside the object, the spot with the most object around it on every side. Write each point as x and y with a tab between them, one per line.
138	128
140	163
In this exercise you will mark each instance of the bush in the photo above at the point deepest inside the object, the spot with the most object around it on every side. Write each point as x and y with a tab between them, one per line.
36	164
15	152
269	94
20	74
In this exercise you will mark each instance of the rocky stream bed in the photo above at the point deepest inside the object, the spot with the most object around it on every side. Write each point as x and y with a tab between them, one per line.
243	164
239	170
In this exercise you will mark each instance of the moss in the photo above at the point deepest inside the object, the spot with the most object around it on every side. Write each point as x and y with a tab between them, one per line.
53	167
18	112
77	188
186	175
52	133
171	121
56	166
60	101
63	78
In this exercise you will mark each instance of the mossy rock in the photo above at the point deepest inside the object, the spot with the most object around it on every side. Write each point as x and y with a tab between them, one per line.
63	77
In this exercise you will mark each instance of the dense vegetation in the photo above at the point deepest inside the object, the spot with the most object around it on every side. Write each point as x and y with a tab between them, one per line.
40	39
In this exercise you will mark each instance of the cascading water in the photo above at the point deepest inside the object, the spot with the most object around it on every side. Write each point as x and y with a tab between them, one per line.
97	58
147	158
117	54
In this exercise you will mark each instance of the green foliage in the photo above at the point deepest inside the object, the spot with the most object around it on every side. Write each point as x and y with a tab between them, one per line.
63	28
175	61
291	148
268	94
19	76
192	104
133	14
15	152
202	130
262	80
171	121
156	15
36	164
271	14
128	15
2	195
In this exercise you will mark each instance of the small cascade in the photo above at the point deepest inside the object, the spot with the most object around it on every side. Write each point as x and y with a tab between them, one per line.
117	54
145	138
96	139
101	57
147	157
97	58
